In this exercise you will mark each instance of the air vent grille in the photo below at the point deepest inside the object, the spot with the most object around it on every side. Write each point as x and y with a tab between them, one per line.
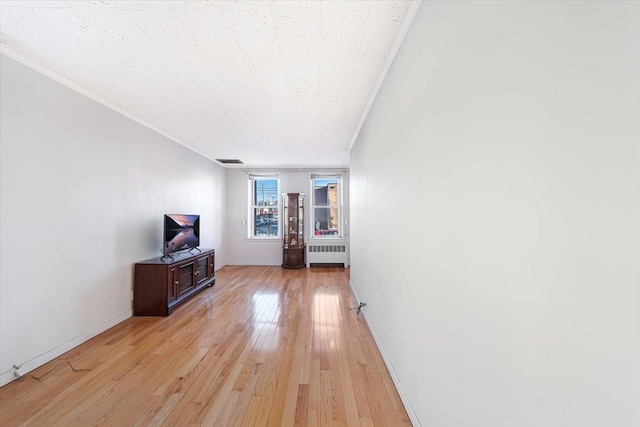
230	161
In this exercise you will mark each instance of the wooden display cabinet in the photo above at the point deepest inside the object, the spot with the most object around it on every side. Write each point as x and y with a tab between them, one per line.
293	248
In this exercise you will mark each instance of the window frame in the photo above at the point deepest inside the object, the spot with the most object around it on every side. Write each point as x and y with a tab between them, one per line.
251	203
312	206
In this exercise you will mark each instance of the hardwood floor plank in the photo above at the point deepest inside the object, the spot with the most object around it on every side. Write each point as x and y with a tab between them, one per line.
302	405
264	347
218	404
164	411
251	414
244	399
326	403
315	393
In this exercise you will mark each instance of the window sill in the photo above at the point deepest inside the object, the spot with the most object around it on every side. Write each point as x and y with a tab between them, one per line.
263	239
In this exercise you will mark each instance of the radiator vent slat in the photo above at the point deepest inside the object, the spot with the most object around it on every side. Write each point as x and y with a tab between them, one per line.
327	248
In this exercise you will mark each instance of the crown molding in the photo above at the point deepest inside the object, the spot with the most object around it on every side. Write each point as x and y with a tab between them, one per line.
11	53
404	28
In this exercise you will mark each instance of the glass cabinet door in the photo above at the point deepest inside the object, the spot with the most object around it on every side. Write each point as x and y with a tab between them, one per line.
293	250
185	281
285	219
293	224
202	269
301	220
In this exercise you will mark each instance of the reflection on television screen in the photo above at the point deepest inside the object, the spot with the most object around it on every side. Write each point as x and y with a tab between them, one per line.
181	232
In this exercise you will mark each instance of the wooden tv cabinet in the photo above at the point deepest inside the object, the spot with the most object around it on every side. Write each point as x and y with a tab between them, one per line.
161	284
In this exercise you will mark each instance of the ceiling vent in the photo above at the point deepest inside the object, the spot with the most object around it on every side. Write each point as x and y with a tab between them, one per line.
230	161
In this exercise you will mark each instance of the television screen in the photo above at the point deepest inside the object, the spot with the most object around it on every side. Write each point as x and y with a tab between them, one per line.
181	232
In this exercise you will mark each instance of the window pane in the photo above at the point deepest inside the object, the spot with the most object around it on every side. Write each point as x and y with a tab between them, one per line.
326	192
265	222
327	222
265	192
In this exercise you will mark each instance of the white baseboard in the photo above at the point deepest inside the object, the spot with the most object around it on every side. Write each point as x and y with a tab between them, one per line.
396	381
38	361
255	264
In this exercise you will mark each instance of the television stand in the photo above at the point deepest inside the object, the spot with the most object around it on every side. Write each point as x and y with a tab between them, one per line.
167	256
160	285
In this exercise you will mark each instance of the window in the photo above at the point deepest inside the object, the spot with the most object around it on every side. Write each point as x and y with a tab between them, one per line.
327	206
264	207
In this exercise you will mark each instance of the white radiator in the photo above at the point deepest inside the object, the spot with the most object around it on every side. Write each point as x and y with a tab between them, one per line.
321	254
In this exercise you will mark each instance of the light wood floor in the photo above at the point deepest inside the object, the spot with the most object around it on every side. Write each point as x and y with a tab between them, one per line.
265	346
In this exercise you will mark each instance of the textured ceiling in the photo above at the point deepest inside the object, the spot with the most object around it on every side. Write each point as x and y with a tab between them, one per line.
281	83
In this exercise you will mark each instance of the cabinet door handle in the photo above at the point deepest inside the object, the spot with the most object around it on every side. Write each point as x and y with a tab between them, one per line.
175	283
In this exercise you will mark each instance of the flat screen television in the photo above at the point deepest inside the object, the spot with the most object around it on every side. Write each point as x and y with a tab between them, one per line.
181	232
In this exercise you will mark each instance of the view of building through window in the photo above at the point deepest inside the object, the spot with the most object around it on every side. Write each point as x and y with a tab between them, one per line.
326	207
265	207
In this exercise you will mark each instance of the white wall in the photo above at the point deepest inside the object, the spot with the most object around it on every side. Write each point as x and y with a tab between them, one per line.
243	251
503	155
84	191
